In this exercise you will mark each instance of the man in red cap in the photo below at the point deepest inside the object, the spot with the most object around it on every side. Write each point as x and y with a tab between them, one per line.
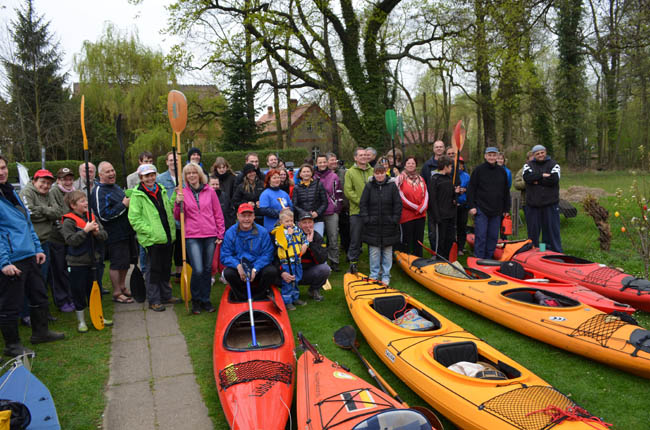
250	242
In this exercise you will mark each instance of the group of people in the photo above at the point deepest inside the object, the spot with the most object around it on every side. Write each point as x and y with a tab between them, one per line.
285	224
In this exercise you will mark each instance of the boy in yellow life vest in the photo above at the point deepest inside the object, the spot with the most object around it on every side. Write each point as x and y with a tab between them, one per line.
78	231
291	243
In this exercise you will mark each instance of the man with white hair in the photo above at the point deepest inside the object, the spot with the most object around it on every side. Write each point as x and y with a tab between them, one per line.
80	183
542	177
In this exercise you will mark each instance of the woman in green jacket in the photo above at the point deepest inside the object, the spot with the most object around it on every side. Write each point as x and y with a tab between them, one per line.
151	216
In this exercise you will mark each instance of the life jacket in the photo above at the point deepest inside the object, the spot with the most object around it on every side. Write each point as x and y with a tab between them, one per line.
80	223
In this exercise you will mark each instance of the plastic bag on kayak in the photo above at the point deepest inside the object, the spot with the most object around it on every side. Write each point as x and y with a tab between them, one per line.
411	320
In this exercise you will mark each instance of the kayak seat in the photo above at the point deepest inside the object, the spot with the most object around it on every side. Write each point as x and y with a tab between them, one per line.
522	296
451	353
392	307
513	269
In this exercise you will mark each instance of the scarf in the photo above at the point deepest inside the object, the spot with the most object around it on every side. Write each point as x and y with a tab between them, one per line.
153	192
64	189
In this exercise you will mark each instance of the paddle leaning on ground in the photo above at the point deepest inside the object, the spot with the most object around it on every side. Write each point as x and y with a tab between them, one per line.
177	112
458	142
95	305
136	283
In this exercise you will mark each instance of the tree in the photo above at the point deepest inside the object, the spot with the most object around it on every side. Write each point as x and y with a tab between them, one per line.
34	85
239	128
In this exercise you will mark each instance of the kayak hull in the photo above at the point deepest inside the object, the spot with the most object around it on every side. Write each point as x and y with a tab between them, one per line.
571	326
255	384
420	358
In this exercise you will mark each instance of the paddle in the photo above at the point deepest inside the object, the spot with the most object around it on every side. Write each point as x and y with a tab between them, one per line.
307	346
458	142
248	270
435	254
346	338
391	127
177	112
95	305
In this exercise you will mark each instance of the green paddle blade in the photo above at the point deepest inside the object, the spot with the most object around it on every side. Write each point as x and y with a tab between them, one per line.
391	122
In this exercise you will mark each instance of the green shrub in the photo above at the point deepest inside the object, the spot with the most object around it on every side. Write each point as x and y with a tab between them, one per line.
236	158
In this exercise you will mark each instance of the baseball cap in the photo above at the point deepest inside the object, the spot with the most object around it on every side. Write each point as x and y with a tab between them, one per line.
305	215
43	173
491	149
245	207
145	169
63	172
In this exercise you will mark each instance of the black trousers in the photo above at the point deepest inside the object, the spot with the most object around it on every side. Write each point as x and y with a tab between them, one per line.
462	214
81	280
159	263
412	232
446	229
344	230
259	287
14	289
60	281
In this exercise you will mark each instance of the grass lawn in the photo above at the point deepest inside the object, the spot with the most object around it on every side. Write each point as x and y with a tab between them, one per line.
618	397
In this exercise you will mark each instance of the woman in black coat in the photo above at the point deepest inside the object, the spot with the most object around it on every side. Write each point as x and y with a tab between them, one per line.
309	196
249	191
222	170
380	209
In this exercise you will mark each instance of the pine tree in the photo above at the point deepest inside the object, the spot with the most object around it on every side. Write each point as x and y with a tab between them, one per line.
35	84
239	128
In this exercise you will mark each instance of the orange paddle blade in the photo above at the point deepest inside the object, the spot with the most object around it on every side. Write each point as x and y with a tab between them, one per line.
177	110
458	140
95	307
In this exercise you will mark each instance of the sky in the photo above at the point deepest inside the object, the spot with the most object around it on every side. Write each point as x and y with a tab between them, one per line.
74	21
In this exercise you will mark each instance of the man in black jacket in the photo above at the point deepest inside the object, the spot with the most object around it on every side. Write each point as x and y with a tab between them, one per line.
315	270
542	177
429	167
488	199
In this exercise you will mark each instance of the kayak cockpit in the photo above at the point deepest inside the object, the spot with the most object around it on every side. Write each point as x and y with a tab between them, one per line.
465	359
565	259
396	309
539	297
238	336
395	419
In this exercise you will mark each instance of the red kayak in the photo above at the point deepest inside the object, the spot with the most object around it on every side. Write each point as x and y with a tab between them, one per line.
328	396
255	383
515	272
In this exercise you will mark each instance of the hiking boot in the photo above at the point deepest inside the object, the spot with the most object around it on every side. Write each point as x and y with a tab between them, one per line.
299	302
196	307
13	347
316	295
290	306
353	268
157	307
26	321
334	266
40	332
207	306
172	301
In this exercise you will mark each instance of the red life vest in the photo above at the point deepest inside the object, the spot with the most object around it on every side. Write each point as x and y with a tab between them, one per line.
81	223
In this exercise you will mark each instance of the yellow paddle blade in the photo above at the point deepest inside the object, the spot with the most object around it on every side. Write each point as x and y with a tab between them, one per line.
95	307
186	276
83	123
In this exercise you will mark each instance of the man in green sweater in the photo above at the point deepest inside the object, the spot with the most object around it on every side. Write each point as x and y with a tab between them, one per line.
356	178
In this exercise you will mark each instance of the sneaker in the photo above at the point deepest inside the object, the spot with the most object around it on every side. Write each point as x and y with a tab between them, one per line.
157	307
207	306
290	306
172	301
353	268
299	302
316	295
82	327
196	308
67	307
108	323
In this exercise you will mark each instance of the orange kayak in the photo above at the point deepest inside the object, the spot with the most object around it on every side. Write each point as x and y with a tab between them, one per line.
461	376
516	273
328	396
543	315
255	384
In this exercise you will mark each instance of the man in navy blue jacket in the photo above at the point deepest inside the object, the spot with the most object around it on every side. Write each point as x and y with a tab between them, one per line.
21	255
542	177
488	199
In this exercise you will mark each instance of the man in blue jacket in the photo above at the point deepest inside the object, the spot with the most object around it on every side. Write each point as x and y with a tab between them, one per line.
21	255
251	241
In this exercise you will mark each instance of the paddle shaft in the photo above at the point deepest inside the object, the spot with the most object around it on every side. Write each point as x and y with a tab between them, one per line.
381	382
250	309
176	140
435	254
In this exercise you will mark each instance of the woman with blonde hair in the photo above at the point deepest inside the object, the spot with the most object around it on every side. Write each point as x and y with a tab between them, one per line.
204	228
222	170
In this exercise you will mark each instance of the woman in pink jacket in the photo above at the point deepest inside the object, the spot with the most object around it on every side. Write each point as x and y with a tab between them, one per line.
204	228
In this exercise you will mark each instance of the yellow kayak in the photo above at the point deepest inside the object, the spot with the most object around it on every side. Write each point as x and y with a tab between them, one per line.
543	315
465	379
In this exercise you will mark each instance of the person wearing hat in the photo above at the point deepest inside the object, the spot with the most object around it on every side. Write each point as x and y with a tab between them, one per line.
251	241
61	289
150	215
542	177
21	254
315	269
194	156
488	199
133	179
249	191
254	159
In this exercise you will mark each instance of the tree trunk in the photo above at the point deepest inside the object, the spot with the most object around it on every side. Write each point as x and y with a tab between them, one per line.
484	89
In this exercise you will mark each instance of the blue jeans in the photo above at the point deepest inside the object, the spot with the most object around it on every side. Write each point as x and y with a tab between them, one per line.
143	259
289	291
200	251
381	260
486	234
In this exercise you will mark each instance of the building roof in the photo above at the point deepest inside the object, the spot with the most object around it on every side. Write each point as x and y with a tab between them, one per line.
268	119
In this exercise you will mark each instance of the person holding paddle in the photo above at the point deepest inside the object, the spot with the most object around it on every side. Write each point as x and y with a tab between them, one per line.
150	214
204	229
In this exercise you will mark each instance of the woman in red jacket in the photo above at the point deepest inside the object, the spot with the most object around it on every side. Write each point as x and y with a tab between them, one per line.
415	199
